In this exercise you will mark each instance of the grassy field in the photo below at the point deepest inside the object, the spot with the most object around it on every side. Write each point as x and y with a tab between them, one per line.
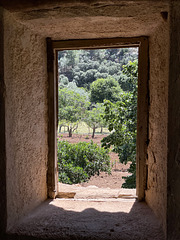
84	129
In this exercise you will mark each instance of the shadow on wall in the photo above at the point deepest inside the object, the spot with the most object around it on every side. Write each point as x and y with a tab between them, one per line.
54	222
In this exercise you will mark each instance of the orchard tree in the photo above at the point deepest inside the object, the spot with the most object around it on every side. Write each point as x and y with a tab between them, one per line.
94	118
80	90
121	120
72	108
101	111
105	89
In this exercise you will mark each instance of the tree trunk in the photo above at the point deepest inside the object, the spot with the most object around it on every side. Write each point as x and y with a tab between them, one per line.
70	132
94	129
60	129
101	129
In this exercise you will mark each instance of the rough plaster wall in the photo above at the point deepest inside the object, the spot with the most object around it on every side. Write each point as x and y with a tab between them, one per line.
127	19
2	133
157	149
76	19
26	118
173	174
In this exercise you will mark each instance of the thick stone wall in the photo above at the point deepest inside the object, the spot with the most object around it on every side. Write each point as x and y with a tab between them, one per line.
158	112
26	118
26	96
173	172
3	203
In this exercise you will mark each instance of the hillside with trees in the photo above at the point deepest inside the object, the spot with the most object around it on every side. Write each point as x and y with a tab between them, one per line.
99	88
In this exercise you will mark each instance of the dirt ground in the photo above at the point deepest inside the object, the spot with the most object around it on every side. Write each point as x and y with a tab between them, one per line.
104	180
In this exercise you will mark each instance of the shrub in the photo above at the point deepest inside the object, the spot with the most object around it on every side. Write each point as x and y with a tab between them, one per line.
78	162
130	181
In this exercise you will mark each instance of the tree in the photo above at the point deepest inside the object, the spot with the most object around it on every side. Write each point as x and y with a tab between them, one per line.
94	118
66	63
121	121
63	81
80	90
72	108
86	66
78	162
102	89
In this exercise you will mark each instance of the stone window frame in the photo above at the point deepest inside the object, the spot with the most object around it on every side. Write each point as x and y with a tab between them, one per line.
53	46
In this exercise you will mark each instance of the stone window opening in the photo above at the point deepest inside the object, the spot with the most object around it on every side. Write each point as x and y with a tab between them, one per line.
142	104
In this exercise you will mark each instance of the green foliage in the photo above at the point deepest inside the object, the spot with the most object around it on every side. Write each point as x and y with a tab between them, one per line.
94	117
72	108
63	81
97	75
78	162
130	181
86	66
102	89
71	86
121	121
131	72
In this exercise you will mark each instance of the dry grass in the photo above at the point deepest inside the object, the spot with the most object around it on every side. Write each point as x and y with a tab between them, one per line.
84	129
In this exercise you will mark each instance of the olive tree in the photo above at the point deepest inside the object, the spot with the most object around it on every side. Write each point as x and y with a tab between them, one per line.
72	108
